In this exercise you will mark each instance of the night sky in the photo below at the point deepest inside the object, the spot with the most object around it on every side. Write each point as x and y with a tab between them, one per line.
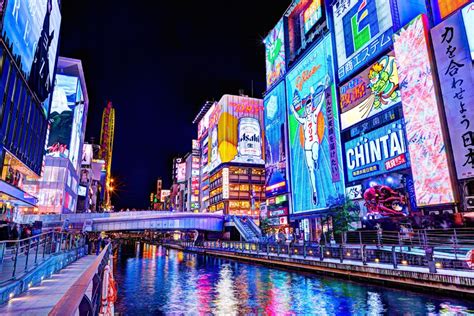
158	63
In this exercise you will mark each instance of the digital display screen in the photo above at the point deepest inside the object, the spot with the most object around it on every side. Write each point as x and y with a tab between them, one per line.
275	54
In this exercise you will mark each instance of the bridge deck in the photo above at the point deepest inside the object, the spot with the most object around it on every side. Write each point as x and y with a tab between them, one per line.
39	300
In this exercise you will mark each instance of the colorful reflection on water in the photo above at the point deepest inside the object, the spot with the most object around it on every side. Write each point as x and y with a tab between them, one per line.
152	280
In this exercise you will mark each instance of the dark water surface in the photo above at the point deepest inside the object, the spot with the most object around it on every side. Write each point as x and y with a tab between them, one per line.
154	282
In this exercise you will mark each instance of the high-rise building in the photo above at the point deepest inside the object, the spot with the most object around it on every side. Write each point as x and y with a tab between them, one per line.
234	158
106	147
57	189
27	76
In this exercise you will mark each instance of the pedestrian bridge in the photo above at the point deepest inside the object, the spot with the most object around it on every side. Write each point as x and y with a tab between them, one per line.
137	220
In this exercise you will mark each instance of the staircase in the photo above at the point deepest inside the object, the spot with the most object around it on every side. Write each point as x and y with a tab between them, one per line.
247	228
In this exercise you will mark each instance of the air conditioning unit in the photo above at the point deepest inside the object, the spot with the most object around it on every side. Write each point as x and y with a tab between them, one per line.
469	202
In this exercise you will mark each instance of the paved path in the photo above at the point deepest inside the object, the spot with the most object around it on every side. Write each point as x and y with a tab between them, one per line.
7	266
39	300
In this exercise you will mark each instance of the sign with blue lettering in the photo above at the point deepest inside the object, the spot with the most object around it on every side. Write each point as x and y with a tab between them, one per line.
363	29
377	152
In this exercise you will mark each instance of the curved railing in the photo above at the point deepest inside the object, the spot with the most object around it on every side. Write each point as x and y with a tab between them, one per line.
75	301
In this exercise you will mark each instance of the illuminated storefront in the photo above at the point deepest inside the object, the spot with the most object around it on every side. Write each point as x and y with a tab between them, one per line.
237	190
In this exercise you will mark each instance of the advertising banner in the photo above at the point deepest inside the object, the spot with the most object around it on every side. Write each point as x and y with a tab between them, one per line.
314	140
87	154
236	131
456	75
65	117
363	29
164	194
181	172
386	195
275	126
275	54
443	8
370	92
423	127
377	152
31	31
468	19
306	22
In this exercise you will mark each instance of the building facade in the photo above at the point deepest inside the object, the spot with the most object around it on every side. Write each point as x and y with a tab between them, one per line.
57	189
26	88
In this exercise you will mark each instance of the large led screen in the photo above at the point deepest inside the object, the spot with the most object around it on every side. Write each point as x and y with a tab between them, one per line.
275	125
275	54
63	117
306	22
236	131
314	140
420	107
31	31
370	92
376	152
77	135
455	71
363	29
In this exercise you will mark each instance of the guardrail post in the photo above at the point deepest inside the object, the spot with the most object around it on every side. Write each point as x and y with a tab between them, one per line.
37	247
341	253
363	255
268	250
27	254
304	249
455	242
278	250
321	253
16	258
44	244
394	258
289	250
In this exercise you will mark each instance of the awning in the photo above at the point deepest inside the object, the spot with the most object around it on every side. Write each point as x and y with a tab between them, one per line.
15	196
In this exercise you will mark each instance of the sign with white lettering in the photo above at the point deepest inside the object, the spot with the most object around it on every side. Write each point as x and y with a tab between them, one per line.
376	152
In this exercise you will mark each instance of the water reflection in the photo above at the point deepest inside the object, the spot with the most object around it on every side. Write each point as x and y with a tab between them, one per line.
154	281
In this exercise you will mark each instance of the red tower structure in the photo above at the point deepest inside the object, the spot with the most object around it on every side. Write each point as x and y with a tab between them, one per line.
106	148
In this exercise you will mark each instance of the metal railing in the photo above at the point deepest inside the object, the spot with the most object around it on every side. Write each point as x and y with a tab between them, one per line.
432	249
76	301
19	256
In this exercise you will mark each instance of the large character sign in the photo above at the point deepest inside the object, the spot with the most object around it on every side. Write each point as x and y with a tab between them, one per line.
314	132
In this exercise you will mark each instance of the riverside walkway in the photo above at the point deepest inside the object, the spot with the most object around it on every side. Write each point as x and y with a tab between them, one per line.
41	299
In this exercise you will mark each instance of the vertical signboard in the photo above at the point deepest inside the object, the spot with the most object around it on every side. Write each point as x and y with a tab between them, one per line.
314	140
275	126
275	54
225	183
423	126
31	31
455	71
363	29
66	119
370	92
468	20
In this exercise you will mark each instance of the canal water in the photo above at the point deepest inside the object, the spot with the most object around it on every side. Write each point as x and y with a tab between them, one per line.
154	281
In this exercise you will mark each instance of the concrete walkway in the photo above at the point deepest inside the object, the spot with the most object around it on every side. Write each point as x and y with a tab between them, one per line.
39	300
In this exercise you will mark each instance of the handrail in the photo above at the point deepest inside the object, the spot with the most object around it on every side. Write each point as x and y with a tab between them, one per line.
21	240
69	303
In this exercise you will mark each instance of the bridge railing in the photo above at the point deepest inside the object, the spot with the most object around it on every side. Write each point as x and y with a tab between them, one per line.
365	253
76	301
20	256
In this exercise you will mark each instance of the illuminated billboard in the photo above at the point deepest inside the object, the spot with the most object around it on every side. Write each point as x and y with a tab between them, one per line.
235	131
468	19
31	31
203	124
275	126
370	92
306	22
164	194
275	54
443	8
363	29
420	108
66	117
87	154
455	71
314	140
181	172
379	151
